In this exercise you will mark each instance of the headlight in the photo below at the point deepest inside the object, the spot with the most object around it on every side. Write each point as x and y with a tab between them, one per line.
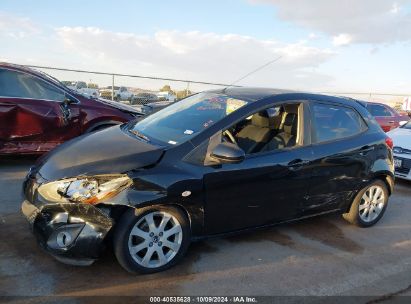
88	190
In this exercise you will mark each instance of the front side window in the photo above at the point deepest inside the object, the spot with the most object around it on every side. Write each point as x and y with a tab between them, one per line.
22	85
183	120
378	110
272	129
335	122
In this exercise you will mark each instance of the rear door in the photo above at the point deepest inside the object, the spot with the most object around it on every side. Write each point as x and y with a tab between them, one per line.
33	117
341	156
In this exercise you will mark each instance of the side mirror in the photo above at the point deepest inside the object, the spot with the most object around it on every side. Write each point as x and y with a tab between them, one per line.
68	100
228	153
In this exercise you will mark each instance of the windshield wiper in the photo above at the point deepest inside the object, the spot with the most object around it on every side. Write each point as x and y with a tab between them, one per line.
140	135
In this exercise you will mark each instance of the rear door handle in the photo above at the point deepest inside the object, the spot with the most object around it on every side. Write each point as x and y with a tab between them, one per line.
366	149
391	122
298	163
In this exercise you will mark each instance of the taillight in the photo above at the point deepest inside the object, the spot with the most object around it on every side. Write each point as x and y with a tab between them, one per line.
389	142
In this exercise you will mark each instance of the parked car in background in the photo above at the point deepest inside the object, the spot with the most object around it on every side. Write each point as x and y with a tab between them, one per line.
386	116
81	87
120	93
406	106
166	96
38	112
402	150
201	167
153	107
143	98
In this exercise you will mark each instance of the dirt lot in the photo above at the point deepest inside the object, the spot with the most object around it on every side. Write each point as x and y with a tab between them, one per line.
322	256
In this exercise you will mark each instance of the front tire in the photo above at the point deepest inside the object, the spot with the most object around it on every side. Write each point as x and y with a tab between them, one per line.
369	205
151	239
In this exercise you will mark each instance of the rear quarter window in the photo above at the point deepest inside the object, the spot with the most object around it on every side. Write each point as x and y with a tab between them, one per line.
333	122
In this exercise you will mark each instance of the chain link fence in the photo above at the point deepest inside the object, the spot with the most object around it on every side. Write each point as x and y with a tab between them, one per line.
125	88
139	90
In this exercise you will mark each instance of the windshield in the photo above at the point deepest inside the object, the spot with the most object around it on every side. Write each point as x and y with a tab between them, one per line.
407	125
182	120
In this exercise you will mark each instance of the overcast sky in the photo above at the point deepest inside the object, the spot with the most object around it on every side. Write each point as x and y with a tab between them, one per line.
326	45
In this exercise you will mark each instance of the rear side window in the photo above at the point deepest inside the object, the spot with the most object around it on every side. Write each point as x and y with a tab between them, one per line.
334	122
17	84
378	110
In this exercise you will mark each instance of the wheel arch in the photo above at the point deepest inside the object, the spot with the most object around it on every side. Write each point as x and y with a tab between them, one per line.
387	179
117	211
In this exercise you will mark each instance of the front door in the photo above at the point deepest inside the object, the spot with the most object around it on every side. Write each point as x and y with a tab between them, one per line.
33	117
261	190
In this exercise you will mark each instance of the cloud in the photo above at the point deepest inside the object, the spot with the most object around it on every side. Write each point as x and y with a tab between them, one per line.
364	21
198	56
342	39
16	27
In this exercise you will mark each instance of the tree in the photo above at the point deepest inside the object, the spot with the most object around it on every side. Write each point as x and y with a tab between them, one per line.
165	88
182	94
168	89
92	86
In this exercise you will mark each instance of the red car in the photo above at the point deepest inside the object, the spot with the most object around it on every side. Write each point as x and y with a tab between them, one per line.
386	116
37	112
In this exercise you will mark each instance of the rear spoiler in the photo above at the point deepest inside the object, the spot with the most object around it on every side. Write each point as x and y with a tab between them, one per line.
360	102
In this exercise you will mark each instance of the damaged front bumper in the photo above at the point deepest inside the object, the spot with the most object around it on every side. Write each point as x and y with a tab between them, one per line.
72	233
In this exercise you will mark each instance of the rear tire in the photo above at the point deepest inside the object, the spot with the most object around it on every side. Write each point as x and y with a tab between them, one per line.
151	239
369	205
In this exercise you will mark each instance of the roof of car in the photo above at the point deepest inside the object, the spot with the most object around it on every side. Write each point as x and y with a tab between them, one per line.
16	67
255	94
29	70
250	93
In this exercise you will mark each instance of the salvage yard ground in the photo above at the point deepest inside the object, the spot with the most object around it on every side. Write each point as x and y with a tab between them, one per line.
321	256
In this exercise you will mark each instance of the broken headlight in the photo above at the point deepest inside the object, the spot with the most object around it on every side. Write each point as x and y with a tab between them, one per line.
88	190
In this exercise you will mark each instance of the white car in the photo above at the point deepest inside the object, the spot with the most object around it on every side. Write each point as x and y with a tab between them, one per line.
120	93
81	87
402	150
166	96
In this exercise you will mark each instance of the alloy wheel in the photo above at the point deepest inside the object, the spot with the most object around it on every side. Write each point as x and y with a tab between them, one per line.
155	239
372	203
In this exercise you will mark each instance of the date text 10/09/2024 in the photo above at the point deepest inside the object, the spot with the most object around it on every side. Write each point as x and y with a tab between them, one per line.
183	299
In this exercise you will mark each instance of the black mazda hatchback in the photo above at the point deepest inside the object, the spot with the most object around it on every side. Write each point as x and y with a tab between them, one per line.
217	162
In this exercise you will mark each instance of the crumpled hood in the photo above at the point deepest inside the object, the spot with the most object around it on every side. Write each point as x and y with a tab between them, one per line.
108	151
120	106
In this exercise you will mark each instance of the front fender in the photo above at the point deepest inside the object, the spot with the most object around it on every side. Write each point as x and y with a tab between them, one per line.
168	189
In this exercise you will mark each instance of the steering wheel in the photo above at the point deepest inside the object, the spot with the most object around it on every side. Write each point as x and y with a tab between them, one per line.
228	135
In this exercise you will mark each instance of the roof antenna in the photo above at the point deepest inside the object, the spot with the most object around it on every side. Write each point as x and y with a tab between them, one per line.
252	72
